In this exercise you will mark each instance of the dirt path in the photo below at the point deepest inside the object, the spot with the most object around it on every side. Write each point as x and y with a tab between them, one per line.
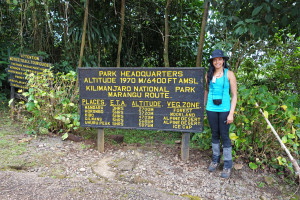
49	168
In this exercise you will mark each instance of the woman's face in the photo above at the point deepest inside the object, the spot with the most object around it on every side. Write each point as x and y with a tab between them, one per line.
218	62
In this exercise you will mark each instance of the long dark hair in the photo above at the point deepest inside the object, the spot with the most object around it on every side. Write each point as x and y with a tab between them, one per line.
211	70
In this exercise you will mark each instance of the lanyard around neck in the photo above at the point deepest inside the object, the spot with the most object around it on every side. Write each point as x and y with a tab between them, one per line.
223	85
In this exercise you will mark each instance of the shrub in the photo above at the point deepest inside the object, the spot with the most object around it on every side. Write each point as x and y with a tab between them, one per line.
203	139
52	102
252	138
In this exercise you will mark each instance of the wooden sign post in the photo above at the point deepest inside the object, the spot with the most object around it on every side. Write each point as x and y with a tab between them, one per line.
185	146
100	140
12	105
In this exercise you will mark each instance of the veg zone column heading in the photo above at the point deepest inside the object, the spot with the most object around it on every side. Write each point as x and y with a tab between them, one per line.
142	98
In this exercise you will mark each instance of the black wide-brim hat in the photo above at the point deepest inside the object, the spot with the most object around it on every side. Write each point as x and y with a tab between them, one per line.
217	53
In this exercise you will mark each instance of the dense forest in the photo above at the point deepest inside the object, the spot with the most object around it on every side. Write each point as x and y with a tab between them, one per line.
262	39
255	34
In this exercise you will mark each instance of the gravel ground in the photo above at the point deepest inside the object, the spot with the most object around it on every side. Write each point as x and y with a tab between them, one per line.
56	169
46	167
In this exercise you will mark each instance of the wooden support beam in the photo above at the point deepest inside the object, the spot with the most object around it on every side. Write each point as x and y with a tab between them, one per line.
12	105
185	147
100	140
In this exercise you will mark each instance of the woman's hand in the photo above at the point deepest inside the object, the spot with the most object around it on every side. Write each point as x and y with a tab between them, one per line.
229	118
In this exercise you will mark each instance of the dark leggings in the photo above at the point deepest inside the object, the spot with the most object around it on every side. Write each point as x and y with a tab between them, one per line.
219	128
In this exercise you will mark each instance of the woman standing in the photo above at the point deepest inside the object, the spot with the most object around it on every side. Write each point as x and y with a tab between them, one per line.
220	108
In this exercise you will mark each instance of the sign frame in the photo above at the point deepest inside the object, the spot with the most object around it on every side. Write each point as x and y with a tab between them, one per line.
201	83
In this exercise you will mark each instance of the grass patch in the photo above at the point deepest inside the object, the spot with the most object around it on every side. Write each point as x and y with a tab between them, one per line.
191	197
10	150
3	103
57	174
133	136
47	158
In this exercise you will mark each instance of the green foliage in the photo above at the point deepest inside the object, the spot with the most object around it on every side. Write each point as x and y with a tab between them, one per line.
253	165
3	76
278	68
65	136
259	19
203	138
250	134
142	43
4	85
255	139
261	184
52	102
272	81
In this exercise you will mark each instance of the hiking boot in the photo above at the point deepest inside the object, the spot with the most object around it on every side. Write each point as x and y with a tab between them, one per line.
213	166
226	173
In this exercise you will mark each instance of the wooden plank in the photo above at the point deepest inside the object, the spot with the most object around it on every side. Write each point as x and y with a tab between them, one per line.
185	147
100	140
12	105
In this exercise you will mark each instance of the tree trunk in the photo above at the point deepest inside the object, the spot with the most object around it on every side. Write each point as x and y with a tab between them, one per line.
48	17
99	54
84	31
241	57
166	39
66	23
121	33
21	28
235	46
202	34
